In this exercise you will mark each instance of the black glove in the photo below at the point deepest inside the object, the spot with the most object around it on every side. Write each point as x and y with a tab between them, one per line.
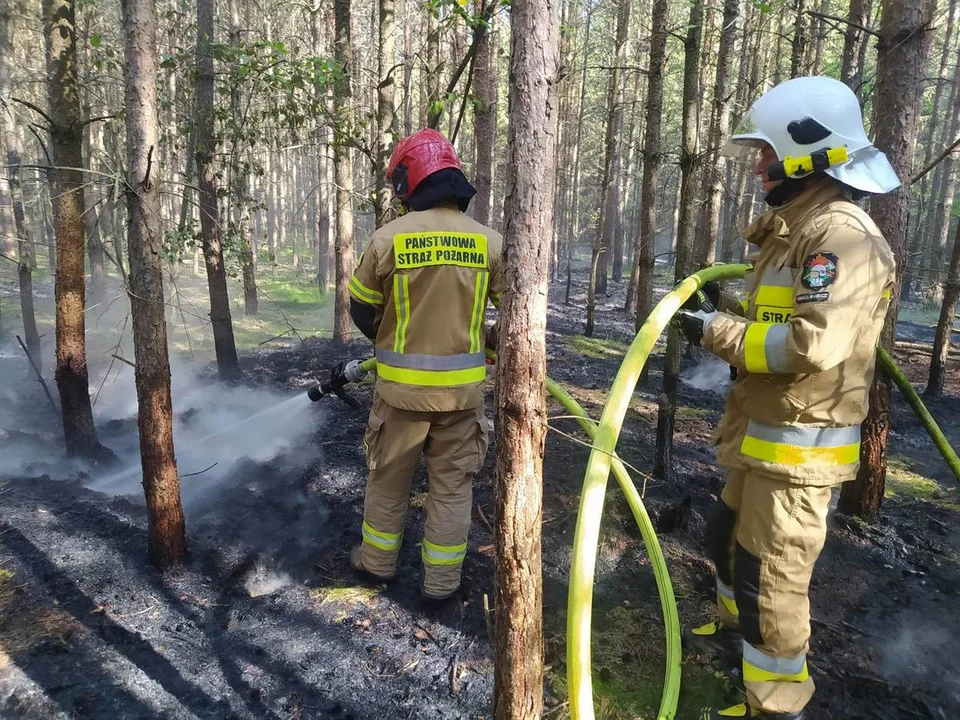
710	292
693	324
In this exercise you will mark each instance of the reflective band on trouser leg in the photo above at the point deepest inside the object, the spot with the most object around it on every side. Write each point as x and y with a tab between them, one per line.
363	293
401	302
388	542
479	307
765	347
434	554
793	445
759	667
727	599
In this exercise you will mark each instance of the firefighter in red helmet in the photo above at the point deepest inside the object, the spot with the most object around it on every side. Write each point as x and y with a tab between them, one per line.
420	293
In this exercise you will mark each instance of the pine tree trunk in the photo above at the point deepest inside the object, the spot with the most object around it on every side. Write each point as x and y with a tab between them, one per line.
652	161
343	100
485	125
904	42
161	483
689	166
521	363
432	69
948	309
799	44
854	42
408	58
709	236
228	365
611	226
67	198
12	224
386	122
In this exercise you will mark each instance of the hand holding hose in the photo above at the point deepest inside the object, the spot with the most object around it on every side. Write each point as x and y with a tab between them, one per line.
697	312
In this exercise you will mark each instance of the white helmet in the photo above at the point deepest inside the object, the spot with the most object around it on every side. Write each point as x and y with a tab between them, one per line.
807	114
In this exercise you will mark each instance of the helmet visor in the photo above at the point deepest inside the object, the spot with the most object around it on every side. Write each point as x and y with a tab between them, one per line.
746	141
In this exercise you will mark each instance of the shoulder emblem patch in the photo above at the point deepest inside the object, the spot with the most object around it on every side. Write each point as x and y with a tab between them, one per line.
819	271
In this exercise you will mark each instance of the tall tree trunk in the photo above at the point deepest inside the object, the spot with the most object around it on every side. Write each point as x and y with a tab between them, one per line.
161	483
432	69
12	223
612	225
521	363
67	196
228	365
689	165
799	42
320	17
485	124
904	42
854	41
948	309
408	19
708	237
652	161
577	158
97	288
386	122
343	101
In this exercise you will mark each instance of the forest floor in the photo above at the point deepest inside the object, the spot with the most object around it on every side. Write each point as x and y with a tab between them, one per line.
267	621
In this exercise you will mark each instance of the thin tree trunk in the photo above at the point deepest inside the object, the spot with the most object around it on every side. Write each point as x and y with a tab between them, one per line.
12	224
408	55
854	43
343	100
432	69
689	165
577	158
386	122
67	196
948	309
161	483
228	365
709	236
611	227
652	160
485	125
799	43
904	42
521	364
97	289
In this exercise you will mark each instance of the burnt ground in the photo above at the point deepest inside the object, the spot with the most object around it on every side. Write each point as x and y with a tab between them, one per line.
266	620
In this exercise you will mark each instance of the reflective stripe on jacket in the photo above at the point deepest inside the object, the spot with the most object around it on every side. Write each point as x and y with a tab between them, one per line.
430	273
817	296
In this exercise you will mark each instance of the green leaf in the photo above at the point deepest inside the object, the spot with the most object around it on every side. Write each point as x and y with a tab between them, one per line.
94	40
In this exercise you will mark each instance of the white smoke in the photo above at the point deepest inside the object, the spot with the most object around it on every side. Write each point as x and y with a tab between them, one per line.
710	374
215	426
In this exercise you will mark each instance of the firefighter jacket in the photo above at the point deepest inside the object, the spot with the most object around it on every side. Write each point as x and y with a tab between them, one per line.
429	274
817	295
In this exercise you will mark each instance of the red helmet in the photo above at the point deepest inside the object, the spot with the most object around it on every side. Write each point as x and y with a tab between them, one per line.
418	156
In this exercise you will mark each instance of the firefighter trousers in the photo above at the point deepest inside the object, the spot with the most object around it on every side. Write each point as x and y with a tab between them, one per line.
454	445
764	537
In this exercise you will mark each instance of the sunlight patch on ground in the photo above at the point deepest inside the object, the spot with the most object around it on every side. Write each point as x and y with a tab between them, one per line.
596	348
903	482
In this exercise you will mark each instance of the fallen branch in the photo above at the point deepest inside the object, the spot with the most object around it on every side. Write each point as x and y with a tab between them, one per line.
37	371
483	518
488	619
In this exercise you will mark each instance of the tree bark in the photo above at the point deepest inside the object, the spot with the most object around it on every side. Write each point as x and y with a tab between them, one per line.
948	309
485	125
652	161
612	225
577	159
319	22
904	43
12	222
521	364
228	365
386	121
799	43
708	237
343	101
689	166
854	42
161	483
67	198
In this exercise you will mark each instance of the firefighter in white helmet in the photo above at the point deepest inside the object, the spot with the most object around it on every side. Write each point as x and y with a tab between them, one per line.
804	344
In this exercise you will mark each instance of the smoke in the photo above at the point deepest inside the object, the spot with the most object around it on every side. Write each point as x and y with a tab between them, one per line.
216	428
918	652
710	374
261	580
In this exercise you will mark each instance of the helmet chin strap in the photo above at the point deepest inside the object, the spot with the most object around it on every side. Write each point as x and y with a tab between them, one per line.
787	190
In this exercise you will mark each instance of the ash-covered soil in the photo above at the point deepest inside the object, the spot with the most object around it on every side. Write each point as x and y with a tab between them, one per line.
267	621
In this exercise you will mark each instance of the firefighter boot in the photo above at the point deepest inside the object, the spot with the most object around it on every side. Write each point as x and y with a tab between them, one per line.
715	639
356	563
744	711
